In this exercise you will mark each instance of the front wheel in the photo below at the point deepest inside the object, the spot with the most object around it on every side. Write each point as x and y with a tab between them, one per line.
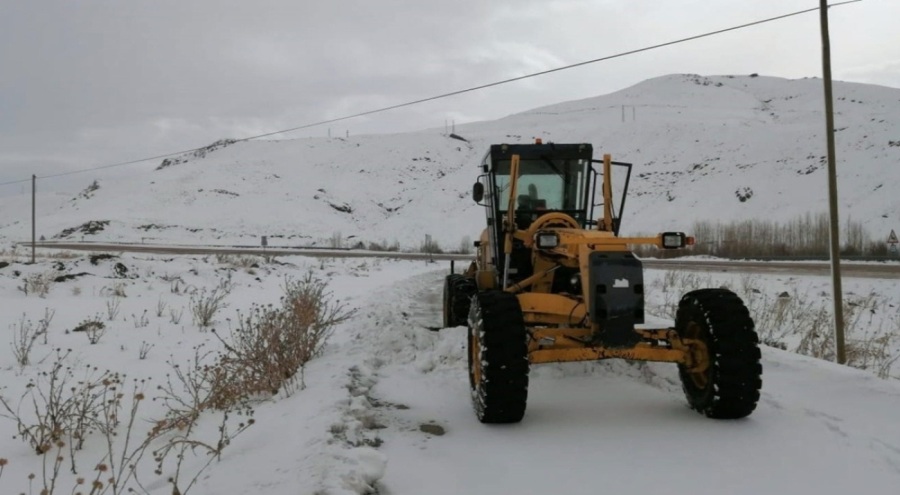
498	357
729	387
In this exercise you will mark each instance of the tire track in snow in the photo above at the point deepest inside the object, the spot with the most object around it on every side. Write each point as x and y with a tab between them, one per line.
393	328
393	343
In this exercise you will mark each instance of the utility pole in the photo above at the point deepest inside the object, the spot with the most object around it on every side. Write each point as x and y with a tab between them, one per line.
832	188
33	210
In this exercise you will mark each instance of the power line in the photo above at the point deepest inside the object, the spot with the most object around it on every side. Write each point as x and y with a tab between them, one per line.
447	95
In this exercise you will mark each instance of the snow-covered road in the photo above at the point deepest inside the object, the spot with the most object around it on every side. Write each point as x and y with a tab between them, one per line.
615	426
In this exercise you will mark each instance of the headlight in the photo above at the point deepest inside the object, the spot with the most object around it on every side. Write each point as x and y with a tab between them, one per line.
547	241
673	240
575	282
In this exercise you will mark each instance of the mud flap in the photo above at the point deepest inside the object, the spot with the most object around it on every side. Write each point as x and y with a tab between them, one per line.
616	288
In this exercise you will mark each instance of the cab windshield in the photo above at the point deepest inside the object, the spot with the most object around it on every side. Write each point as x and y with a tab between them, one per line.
544	184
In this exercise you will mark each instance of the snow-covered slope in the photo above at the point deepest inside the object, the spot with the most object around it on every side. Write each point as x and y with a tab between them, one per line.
704	148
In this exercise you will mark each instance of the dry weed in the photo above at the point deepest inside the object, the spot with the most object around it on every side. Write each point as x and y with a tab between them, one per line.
60	406
268	350
205	304
38	283
26	333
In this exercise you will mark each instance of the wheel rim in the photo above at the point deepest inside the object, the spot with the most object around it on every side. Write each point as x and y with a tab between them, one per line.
475	358
699	379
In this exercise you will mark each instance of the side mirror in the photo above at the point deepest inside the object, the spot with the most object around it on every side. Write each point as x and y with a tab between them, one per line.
478	192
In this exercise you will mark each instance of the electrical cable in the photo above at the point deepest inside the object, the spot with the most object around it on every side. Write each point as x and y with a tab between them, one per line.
447	95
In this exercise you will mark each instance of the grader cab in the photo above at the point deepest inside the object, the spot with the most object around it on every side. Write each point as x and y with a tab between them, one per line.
552	283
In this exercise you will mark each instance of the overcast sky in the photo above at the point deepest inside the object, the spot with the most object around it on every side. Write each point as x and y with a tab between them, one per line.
91	82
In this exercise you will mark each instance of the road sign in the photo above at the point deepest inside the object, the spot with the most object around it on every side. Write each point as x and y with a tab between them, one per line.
892	239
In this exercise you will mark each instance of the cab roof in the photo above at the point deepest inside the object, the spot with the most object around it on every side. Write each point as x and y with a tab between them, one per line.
499	152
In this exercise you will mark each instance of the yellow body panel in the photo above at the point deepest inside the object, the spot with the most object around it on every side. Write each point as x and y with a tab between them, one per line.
639	352
559	345
551	309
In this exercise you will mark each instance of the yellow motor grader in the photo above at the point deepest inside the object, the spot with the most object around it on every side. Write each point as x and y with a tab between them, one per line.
550	283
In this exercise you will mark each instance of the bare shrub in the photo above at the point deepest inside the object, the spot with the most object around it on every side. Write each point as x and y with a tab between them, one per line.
26	333
67	408
141	321
430	246
62	407
160	307
112	307
122	457
205	304
797	322
336	241
117	290
245	262
144	350
170	278
776	317
10	255
189	392
805	235
873	351
867	345
50	474
384	246
116	473
175	315
93	328
465	245
673	285
268	350
38	283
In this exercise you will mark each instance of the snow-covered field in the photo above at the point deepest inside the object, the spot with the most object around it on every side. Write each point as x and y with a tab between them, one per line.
386	408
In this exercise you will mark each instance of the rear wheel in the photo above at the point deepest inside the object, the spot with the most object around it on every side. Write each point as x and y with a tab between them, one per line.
729	387
498	357
458	291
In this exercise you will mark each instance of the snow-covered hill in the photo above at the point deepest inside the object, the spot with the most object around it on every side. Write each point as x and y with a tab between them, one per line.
704	148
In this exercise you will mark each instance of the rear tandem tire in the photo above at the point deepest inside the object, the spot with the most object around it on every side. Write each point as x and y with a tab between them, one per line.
498	357
458	292
729	388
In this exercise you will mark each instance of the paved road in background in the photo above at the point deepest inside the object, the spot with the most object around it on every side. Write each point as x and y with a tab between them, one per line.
817	268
